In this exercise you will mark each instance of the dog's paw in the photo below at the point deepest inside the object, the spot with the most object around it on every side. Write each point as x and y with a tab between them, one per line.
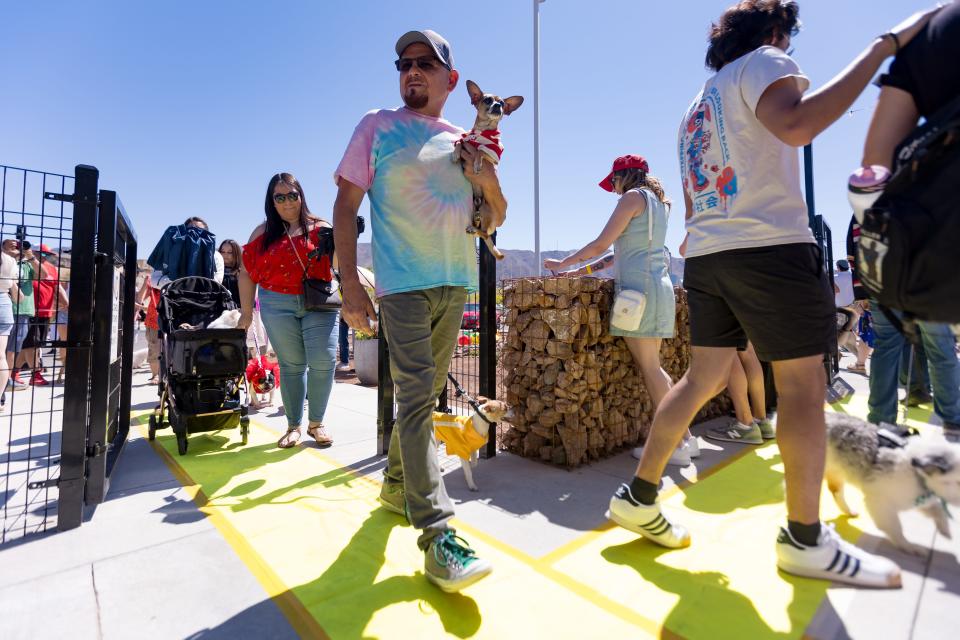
473	487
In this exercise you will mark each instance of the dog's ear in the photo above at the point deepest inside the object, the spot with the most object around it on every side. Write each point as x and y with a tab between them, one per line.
511	104
476	95
482	399
932	464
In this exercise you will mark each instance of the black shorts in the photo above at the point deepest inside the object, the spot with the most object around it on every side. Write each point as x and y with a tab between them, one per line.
776	297
37	333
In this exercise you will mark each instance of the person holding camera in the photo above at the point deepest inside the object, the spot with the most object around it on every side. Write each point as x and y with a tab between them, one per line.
292	250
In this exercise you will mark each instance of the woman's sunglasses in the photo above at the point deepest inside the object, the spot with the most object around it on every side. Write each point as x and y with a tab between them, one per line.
424	63
279	198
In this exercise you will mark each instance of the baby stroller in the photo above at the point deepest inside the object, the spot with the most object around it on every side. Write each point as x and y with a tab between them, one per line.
202	385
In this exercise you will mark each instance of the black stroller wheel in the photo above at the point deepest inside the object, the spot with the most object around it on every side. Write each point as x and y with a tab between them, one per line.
244	429
182	443
152	428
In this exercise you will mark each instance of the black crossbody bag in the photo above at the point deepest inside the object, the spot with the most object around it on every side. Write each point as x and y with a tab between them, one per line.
318	294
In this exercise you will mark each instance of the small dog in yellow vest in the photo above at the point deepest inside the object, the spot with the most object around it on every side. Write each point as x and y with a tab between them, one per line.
464	435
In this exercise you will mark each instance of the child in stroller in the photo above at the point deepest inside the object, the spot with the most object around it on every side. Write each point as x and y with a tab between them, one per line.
202	383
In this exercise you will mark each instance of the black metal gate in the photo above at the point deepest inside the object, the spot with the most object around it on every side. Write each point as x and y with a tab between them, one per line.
81	426
99	367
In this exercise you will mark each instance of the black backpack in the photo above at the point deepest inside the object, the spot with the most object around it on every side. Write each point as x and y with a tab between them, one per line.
908	257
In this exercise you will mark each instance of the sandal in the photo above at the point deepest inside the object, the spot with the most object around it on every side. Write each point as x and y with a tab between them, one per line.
289	440
857	368
319	433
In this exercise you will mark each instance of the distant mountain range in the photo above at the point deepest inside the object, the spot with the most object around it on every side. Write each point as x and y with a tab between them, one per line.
516	263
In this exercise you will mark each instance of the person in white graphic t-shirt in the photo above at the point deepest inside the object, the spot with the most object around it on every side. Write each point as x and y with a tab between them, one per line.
754	272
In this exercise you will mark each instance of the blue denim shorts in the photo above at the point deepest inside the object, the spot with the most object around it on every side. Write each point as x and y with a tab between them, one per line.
6	314
18	333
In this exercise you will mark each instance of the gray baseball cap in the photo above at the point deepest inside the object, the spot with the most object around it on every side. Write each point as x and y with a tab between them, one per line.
430	38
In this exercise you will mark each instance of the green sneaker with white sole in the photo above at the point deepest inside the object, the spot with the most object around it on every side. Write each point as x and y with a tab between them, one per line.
451	564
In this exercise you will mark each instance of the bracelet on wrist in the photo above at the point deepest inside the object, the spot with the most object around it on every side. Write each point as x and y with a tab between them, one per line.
896	41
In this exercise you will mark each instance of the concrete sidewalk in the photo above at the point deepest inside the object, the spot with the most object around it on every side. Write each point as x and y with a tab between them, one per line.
149	564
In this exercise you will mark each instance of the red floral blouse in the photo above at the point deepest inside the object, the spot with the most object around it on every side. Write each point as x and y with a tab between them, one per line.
278	269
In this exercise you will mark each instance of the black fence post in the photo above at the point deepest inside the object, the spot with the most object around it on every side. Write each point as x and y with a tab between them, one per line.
808	184
77	370
385	416
831	360
102	378
488	333
126	349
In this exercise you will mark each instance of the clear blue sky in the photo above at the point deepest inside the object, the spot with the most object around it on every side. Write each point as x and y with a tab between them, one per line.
188	108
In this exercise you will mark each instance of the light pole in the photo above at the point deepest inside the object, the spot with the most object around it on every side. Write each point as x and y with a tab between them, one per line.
536	135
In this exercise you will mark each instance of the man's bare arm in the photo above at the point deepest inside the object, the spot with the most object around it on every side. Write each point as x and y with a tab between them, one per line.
895	116
357	311
797	119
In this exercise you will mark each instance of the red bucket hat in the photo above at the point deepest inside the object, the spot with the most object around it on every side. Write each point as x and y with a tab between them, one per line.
621	163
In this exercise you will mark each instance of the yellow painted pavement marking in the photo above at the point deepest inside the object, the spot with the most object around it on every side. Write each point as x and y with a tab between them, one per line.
311	528
311	532
726	583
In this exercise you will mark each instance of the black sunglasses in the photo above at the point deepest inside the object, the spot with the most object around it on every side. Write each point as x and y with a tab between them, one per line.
293	196
424	63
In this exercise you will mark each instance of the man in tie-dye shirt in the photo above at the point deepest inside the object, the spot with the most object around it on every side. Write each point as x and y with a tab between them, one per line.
420	206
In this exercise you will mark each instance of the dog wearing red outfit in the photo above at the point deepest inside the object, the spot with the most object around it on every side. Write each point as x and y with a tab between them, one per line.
486	138
263	375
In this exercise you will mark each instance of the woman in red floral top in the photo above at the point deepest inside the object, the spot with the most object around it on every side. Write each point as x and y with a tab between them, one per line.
305	341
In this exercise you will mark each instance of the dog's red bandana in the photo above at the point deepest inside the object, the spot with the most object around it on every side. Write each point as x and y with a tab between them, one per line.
487	141
257	369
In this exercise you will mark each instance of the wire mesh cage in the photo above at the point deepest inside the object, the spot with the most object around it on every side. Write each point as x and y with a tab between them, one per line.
36	235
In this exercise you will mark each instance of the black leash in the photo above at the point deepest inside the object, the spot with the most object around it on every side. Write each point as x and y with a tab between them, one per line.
460	393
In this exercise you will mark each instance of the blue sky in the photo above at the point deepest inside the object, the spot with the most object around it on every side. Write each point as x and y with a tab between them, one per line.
188	108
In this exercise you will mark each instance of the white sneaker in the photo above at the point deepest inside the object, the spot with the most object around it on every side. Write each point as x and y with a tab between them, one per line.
736	432
835	559
682	456
647	520
767	430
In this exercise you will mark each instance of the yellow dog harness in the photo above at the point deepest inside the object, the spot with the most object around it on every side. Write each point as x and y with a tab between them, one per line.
457	433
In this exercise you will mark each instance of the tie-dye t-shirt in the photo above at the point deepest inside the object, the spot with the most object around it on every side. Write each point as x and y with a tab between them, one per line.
743	181
420	203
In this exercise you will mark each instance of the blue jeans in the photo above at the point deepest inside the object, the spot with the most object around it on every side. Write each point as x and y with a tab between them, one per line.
306	346
938	343
919	382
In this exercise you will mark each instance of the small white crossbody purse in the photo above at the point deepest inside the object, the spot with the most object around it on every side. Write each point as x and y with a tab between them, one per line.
628	310
629	305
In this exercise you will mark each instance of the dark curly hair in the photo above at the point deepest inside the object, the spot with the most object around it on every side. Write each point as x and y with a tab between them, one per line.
748	25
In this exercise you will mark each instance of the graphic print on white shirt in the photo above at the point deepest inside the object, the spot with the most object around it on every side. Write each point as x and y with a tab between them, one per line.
708	177
742	181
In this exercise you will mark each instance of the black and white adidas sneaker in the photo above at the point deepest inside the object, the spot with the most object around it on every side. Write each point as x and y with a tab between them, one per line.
835	559
647	520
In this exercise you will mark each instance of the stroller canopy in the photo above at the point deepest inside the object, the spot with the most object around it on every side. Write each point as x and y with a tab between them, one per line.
193	301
